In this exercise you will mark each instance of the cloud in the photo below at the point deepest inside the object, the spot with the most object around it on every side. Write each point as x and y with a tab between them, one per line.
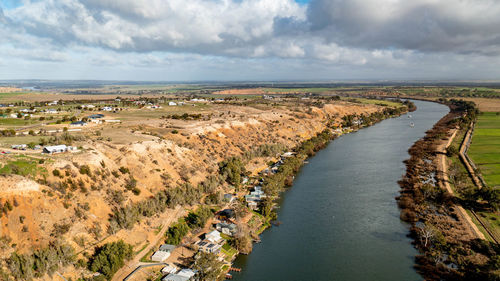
143	26
460	26
326	37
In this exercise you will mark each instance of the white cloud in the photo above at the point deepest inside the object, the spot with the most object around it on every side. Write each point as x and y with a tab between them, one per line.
236	37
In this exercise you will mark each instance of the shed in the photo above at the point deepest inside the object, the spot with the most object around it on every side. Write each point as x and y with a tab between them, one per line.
55	149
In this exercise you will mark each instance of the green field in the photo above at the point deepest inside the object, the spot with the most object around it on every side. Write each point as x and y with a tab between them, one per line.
4	96
375	101
15	122
485	147
22	165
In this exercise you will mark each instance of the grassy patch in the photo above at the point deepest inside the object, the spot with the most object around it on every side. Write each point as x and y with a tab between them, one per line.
13	122
479	226
147	256
485	147
8	141
5	96
229	251
142	248
22	165
376	101
225	236
492	220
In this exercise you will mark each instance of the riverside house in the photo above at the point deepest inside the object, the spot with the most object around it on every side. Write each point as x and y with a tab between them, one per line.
208	247
226	228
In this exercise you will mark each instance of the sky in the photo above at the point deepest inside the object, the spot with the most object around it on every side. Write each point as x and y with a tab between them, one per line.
250	40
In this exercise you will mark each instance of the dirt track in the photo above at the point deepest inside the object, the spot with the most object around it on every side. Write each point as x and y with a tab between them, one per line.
444	183
135	262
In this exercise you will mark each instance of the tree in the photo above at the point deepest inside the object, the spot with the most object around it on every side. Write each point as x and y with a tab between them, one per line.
427	232
208	266
232	169
110	257
266	207
242	240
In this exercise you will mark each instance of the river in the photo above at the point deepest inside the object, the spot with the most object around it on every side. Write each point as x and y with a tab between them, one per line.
340	220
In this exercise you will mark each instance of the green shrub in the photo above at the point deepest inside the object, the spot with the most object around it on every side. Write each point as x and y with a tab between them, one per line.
110	257
85	170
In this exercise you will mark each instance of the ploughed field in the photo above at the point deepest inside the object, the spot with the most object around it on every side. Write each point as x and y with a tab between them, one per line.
485	147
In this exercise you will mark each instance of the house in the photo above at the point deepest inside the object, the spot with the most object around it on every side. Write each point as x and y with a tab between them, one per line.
171	103
208	247
175	277
169	269
183	275
213	236
19	146
227	228
112	121
163	253
51	111
57	149
52	103
186	272
256	195
95	116
107	108
78	124
96	121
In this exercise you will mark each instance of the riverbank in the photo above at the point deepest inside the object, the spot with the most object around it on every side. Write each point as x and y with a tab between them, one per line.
448	249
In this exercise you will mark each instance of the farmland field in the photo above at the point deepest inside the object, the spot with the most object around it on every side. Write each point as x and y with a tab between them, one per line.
485	147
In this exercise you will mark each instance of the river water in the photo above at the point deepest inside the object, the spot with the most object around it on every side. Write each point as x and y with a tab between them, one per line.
340	220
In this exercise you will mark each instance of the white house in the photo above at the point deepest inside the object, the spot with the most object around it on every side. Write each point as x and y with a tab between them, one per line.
187	272
169	268
171	103
57	149
107	108
175	277
213	236
163	253
183	275
78	124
